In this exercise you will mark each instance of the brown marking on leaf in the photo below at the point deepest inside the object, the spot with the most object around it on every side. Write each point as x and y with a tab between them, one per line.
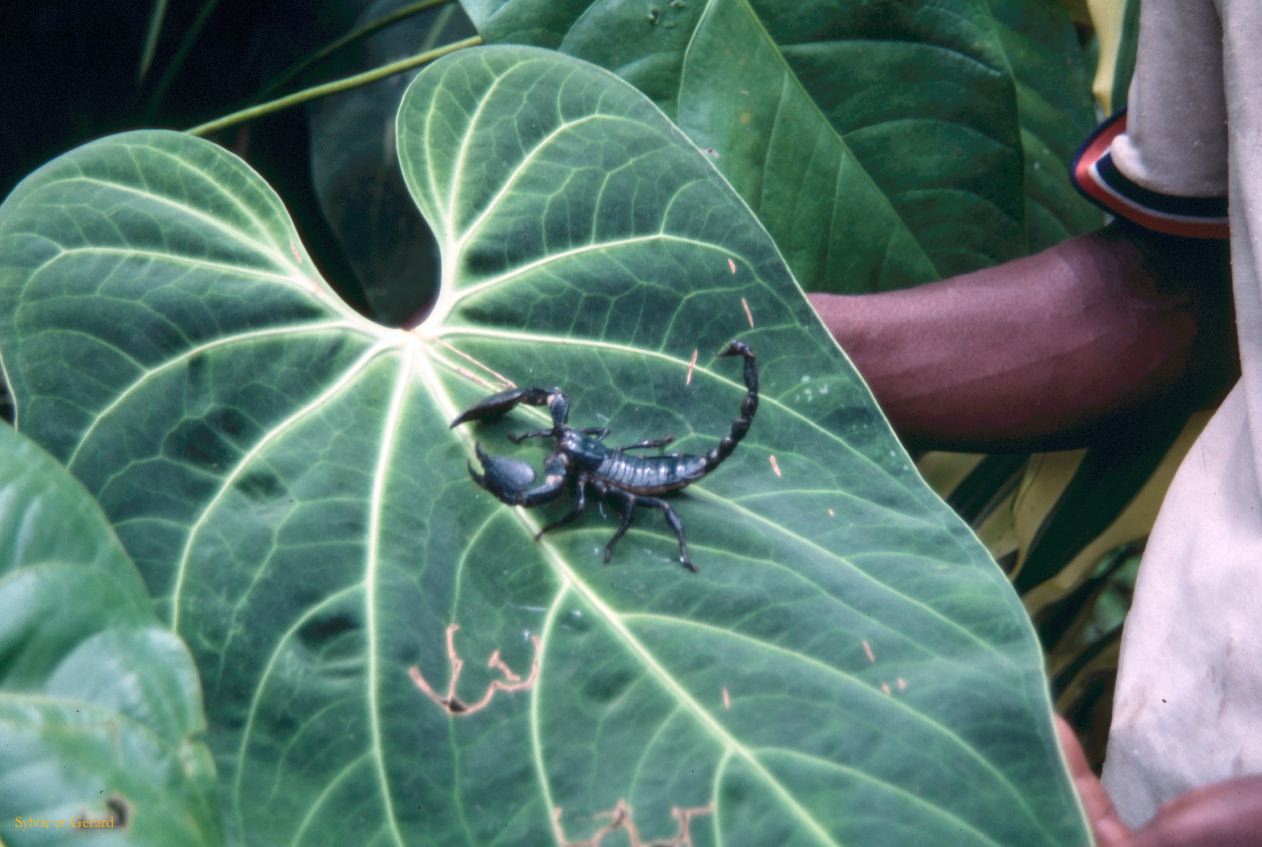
749	316
684	818
453	704
619	818
293	248
622	819
727	698
885	686
902	684
831	513
692	363
731	265
476	362
867	649
775	466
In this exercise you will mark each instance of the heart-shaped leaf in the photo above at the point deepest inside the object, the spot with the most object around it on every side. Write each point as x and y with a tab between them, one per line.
100	707
882	143
388	656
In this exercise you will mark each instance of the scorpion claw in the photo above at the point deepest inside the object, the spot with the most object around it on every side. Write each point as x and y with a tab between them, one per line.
503	477
736	348
512	480
497	404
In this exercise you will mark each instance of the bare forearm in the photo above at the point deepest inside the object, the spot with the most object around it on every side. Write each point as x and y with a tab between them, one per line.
1047	351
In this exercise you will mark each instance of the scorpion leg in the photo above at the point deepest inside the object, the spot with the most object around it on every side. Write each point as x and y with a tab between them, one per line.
580	502
673	521
628	512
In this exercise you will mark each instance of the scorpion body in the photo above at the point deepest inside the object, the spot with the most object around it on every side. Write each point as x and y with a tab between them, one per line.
581	456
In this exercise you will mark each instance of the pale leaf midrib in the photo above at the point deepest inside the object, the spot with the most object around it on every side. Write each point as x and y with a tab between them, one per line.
372	563
276	431
213	222
920	717
265	676
222	341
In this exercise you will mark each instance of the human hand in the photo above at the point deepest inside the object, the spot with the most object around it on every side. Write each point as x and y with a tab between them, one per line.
1224	814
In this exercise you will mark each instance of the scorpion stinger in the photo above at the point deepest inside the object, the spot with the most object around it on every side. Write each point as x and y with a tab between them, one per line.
579	456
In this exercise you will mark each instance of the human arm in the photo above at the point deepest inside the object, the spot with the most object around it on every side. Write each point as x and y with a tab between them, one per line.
1050	351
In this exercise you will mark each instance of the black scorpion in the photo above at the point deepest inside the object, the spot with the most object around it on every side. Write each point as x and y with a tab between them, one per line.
580	456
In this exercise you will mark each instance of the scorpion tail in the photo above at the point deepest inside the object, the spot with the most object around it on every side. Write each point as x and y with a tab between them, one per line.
740	424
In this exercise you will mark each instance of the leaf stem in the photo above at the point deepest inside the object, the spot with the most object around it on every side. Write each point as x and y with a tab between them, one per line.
348	38
335	87
151	38
181	54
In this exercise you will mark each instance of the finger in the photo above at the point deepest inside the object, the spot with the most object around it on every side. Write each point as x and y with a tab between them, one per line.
1106	826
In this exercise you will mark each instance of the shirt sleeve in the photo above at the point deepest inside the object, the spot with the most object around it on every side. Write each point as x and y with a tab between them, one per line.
1163	162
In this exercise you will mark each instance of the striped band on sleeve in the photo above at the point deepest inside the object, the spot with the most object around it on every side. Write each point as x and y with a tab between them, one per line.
1096	176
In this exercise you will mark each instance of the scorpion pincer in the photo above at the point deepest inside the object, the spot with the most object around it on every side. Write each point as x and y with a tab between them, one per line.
579	459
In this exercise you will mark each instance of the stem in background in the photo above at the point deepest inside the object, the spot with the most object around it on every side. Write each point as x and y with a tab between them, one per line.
151	38
350	38
335	87
177	61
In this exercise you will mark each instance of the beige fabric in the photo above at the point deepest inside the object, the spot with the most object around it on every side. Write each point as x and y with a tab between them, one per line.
1176	133
1188	708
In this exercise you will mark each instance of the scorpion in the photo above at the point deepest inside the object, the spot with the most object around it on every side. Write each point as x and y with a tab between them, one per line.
580	457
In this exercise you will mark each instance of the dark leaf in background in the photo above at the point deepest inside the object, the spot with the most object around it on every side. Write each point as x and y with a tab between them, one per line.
356	170
882	144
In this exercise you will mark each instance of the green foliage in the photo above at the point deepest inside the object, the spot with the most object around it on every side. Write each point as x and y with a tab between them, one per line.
1103	484
100	707
355	170
882	144
849	666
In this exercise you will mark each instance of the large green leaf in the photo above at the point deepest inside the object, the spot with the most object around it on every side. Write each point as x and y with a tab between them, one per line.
881	143
100	707
1055	115
848	668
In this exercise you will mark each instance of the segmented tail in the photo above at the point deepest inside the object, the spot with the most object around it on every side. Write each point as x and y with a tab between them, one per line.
740	424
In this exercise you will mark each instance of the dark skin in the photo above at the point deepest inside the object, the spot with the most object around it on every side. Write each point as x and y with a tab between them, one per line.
1224	814
1074	346
1068	347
